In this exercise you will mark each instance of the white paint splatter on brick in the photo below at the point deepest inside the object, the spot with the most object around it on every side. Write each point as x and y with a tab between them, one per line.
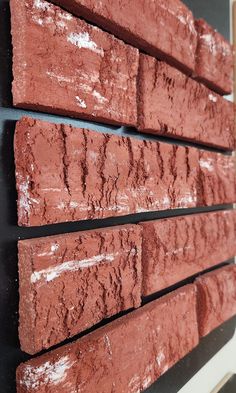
212	98
147	382
74	204
60	78
64	15
108	344
188	199
47	374
99	97
214	46
206	164
178	250
83	40
81	102
54	247
42	5
51	273
160	358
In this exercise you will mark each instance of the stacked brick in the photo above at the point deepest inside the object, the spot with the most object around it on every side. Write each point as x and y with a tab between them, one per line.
69	283
127	355
101	81
153	339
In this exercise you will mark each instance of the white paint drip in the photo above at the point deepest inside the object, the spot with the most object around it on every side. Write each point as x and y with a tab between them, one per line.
47	374
81	102
212	98
83	40
51	273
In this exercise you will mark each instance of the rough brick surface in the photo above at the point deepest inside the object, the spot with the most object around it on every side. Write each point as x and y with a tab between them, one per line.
70	282
175	105
179	247
214	59
216	298
216	179
164	29
69	174
125	356
63	65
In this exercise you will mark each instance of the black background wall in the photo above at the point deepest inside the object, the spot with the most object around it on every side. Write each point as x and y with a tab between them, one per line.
217	13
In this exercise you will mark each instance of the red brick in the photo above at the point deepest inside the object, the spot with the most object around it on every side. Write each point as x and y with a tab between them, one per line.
175	105
214	59
69	174
216	179
216	298
63	65
179	247
70	282
164	29
127	355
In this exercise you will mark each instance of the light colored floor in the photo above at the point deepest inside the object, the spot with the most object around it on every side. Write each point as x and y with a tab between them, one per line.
214	371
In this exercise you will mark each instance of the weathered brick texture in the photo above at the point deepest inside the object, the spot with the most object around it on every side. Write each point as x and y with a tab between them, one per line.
172	104
179	247
126	356
63	65
216	298
214	59
68	174
70	282
164	29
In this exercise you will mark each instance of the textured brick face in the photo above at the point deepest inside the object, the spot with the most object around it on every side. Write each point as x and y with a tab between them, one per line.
179	247
69	174
125	356
175	105
164	29
70	282
214	59
216	298
63	65
217	181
